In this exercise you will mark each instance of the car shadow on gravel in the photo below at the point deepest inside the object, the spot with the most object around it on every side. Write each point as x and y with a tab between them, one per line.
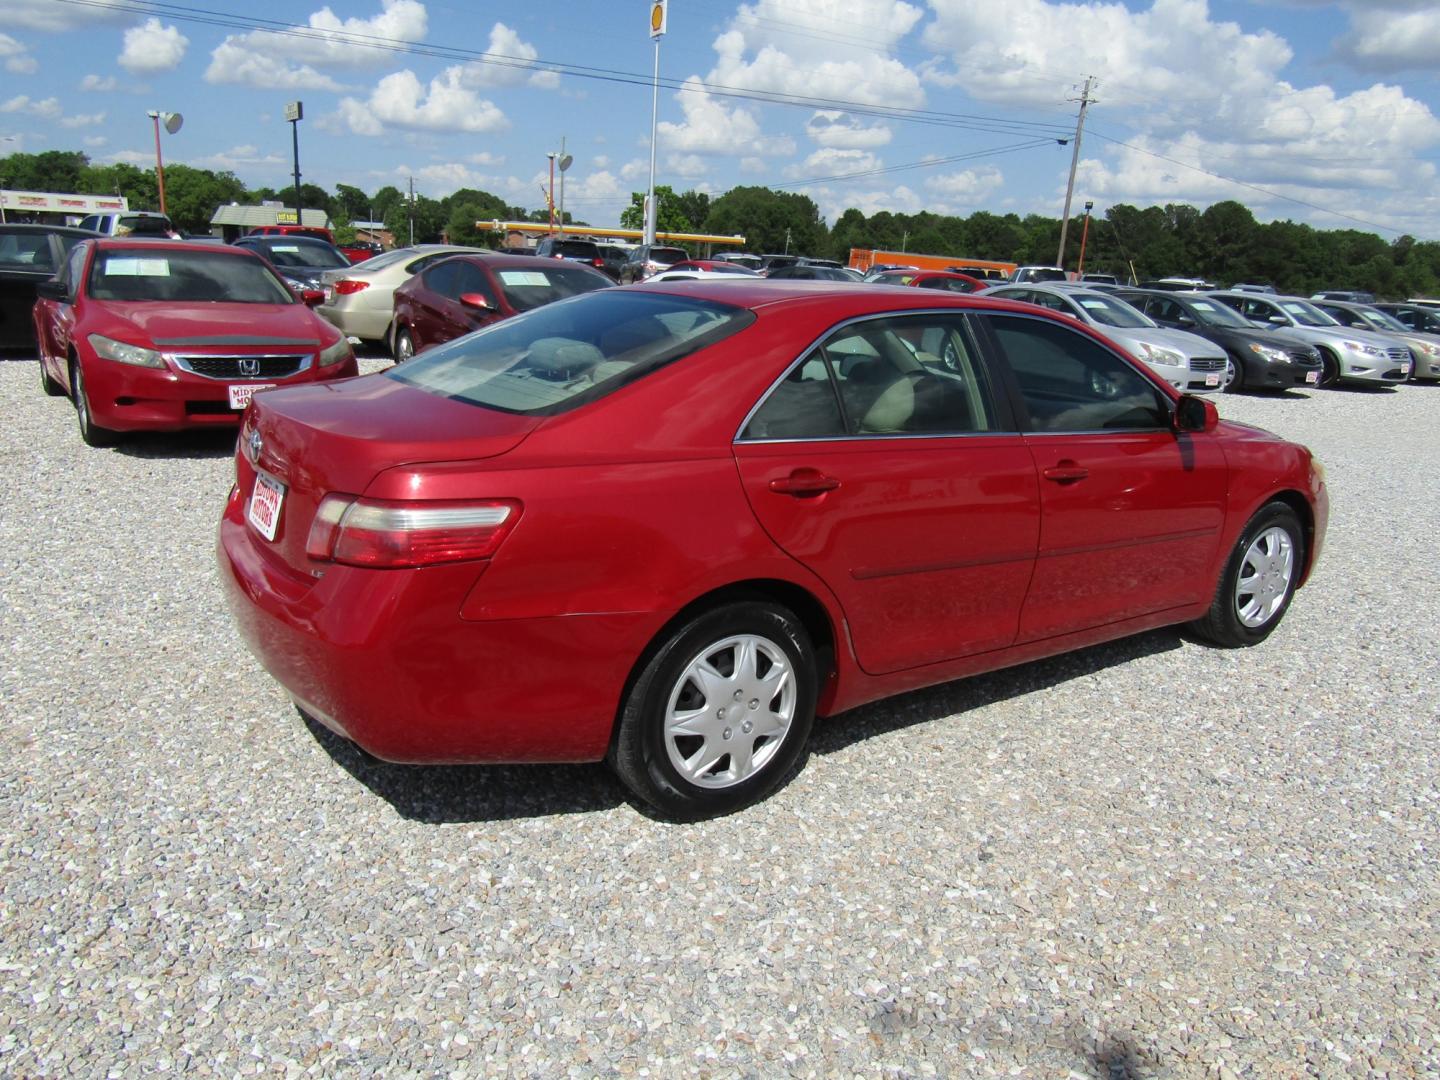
454	794
206	443
965	695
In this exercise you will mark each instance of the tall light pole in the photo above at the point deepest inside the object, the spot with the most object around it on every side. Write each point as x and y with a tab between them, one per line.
1074	161
657	31
1084	235
294	113
173	120
3	182
563	162
550	191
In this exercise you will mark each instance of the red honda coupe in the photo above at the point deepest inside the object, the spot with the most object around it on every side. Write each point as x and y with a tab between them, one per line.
158	336
669	525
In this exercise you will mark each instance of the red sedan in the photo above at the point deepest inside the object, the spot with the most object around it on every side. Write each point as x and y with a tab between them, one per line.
160	336
464	293
671	524
946	280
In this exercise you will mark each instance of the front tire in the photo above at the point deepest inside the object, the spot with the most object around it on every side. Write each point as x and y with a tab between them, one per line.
1258	582
1329	368
90	432
404	346
720	712
1234	377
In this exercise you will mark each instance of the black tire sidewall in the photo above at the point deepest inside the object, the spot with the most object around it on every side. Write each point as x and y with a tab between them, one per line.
640	756
1268	516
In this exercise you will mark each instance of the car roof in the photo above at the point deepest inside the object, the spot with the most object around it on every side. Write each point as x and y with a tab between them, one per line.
162	243
281	238
501	261
19	228
760	292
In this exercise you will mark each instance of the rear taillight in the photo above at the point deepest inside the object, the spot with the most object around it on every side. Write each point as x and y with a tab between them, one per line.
385	535
346	286
597	262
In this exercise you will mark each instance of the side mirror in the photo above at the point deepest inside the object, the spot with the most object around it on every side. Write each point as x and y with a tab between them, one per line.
1278	320
1184	320
51	289
476	301
1195	414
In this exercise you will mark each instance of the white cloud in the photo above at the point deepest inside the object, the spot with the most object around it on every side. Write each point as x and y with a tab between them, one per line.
292	61
95	142
635	170
17	59
98	83
845	131
82	120
47	109
964	192
898	200
1387	36
835	49
830	162
152	47
714	128
49	16
485	158
513	64
400	100
240	157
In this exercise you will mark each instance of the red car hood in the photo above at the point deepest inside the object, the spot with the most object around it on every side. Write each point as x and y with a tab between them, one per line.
177	326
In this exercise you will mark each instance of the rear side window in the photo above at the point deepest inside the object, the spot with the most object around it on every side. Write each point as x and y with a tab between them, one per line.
562	355
527	289
26	251
909	375
1071	382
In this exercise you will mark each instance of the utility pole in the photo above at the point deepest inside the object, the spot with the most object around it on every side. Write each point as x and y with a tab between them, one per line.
412	211
1085	100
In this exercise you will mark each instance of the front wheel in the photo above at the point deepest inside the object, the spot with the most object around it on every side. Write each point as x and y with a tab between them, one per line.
1329	368
1234	377
1259	580
720	712
90	432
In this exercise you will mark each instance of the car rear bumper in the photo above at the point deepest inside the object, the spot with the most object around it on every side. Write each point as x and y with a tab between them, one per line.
366	325
384	658
127	397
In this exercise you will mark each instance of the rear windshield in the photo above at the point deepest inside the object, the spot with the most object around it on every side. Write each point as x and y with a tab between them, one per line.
580	249
186	277
527	289
668	256
284	252
562	355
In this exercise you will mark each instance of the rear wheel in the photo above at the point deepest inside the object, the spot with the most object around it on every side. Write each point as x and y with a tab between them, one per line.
1258	582
49	385
90	432
404	346
720	712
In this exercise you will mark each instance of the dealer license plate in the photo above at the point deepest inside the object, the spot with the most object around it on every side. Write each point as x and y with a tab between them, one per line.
265	502
1312	376
1212	379
241	393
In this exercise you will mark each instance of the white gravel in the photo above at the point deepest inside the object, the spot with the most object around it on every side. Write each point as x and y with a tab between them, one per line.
1147	859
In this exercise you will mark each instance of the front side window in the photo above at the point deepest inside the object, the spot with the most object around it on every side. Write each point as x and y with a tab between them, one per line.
563	355
907	375
1070	382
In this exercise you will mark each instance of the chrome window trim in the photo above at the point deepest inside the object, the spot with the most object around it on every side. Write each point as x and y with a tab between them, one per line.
738	439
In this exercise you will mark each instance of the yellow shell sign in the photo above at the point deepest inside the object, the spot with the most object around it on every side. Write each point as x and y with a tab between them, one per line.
657	18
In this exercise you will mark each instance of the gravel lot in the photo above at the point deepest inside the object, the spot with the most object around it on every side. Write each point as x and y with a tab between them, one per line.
1147	859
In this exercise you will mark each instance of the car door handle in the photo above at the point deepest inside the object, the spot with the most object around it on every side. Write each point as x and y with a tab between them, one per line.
804	482
1067	472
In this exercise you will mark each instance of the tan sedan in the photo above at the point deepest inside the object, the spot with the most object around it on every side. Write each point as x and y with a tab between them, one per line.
359	299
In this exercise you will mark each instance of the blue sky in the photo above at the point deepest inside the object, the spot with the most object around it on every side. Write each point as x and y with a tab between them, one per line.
1321	112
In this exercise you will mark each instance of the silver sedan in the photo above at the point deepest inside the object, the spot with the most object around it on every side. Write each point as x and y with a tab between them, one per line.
360	299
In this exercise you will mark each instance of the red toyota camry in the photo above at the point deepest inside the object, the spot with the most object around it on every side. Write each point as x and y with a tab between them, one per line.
159	336
669	525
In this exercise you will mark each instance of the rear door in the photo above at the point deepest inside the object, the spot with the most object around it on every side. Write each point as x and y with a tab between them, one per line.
885	462
1131	510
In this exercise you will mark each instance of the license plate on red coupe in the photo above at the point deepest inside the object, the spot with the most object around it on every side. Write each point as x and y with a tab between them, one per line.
265	503
241	393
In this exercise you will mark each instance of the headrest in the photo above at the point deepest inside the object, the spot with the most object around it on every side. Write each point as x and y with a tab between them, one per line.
563	356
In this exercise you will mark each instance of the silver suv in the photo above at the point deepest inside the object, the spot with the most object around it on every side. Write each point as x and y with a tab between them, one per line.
1186	361
1346	353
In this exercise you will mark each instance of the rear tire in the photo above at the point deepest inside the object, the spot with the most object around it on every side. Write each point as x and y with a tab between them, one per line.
1258	582
404	346
720	712
90	432
48	384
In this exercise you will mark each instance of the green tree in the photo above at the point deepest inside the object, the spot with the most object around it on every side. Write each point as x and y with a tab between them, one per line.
770	220
350	204
669	215
193	195
50	170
